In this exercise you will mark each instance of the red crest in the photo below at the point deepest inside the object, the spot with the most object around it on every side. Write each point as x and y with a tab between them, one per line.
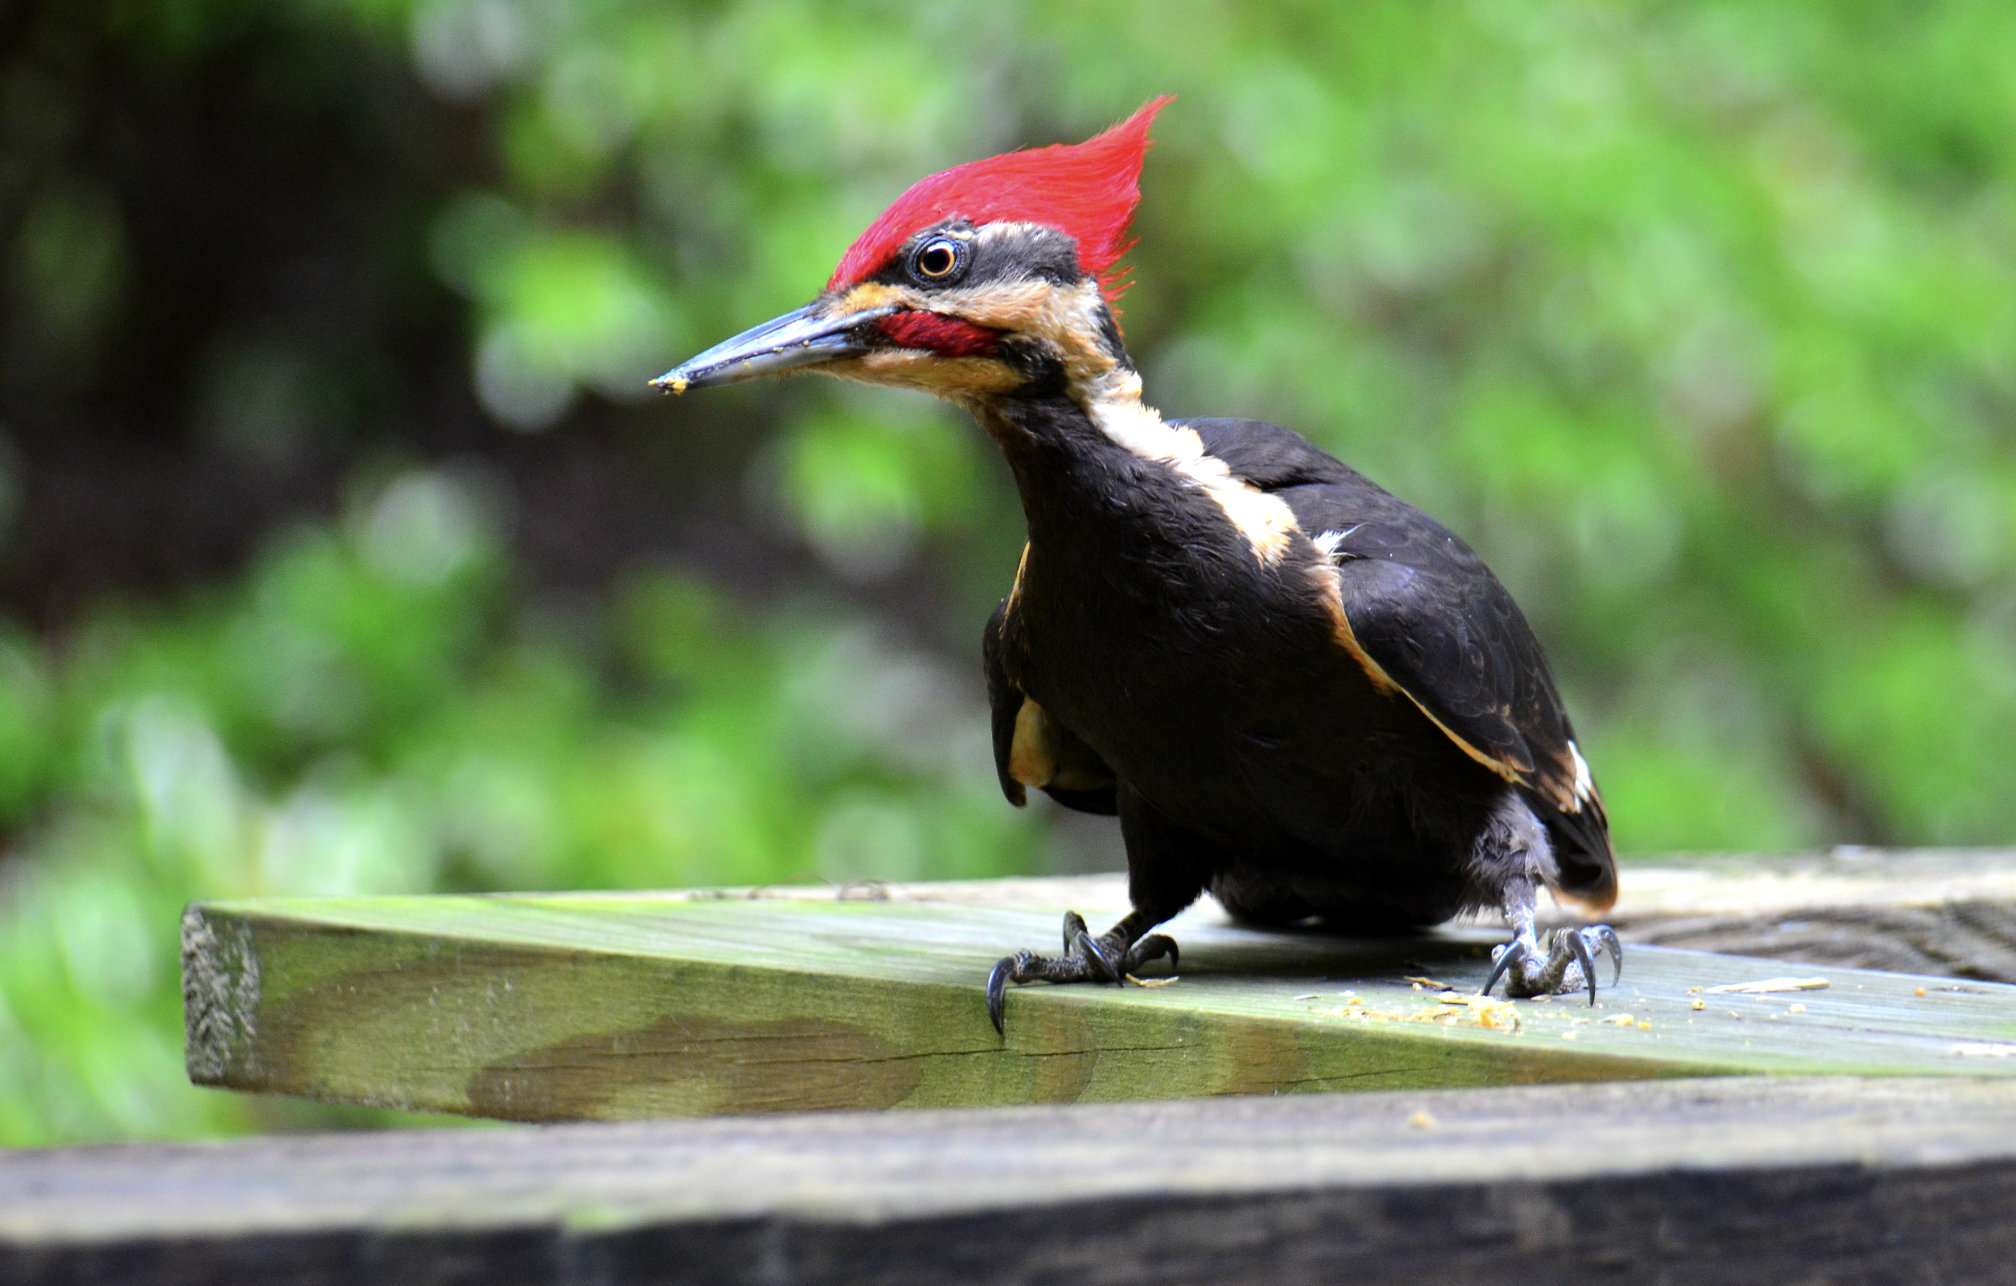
1086	190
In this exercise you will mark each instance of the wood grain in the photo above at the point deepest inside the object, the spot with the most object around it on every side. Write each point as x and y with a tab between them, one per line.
611	1007
1932	911
1728	1181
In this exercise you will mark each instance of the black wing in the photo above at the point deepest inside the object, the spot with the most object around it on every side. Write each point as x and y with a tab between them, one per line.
1430	615
1076	776
1004	702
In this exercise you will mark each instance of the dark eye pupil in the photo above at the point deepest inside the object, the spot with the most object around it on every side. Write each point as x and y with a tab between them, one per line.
936	260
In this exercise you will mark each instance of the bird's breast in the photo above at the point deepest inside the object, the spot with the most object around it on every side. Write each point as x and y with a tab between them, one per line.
1193	673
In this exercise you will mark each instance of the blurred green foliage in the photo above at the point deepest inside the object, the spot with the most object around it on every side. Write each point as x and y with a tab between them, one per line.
1699	320
359	715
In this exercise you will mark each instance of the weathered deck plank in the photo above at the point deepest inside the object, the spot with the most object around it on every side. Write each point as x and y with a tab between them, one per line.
1939	911
604	1007
1728	1181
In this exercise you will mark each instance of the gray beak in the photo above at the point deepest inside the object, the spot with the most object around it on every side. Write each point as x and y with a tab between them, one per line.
802	337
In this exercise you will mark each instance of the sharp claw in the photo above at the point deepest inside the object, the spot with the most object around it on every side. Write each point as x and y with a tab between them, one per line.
1154	947
1606	940
1510	956
1090	946
1580	950
997	993
1085	960
1074	928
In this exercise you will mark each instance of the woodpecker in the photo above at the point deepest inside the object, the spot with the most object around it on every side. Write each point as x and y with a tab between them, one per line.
1295	690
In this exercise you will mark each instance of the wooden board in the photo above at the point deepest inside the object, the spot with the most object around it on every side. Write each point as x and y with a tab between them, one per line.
590	1006
1726	1181
1943	911
1650	888
1936	911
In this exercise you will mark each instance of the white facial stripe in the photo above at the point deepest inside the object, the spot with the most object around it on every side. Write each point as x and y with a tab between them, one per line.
1115	406
1069	319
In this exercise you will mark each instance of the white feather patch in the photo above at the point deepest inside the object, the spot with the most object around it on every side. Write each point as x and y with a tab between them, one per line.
1585	785
1070	319
1114	403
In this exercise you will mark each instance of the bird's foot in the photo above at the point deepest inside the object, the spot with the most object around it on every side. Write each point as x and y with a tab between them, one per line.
1109	958
1569	965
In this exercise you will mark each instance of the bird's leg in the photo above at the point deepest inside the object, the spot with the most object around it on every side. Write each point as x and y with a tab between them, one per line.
1108	958
1568	965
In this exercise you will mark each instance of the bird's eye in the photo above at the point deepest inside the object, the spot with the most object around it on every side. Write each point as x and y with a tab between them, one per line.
938	259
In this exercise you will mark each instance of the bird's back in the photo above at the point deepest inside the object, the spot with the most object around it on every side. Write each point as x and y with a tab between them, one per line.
1428	612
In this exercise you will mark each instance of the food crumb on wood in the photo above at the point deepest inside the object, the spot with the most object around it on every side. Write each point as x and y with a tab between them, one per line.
1421	983
1795	1009
1309	996
1453	1009
1500	1014
1765	986
1569	1034
1620	1020
1421	1120
1917	991
1152	982
1697	1002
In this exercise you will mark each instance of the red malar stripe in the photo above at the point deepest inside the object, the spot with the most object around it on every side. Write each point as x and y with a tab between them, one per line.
940	334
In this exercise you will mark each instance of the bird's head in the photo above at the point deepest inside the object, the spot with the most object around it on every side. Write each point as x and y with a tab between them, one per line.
976	283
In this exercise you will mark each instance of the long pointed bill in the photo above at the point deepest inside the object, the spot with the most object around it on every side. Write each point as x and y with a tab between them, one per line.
803	337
